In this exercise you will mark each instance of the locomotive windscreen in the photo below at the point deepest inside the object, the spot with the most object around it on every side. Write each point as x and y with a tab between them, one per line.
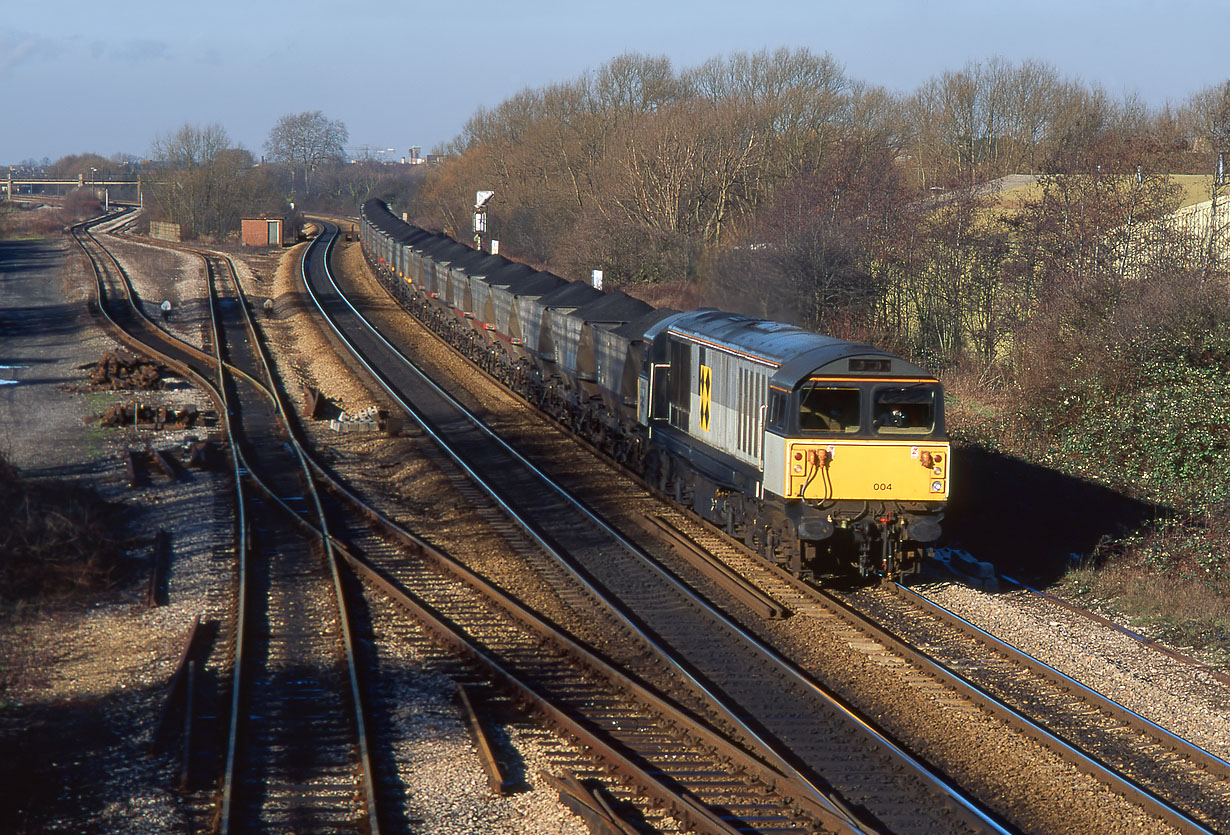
904	409
826	409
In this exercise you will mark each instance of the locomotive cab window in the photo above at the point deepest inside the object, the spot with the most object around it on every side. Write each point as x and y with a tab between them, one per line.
826	409
901	410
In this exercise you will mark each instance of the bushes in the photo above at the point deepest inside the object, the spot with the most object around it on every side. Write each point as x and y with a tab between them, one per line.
1170	577
1184	611
1132	382
1189	548
1162	437
1130	390
19	224
57	542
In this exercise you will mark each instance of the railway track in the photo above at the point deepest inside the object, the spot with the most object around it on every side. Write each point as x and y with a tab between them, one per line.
1180	783
298	757
292	760
1168	779
271	782
1185	785
676	764
115	303
738	682
1149	644
515	653
1197	808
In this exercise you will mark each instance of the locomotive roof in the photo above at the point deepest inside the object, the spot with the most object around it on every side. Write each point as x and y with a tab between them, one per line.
772	343
795	353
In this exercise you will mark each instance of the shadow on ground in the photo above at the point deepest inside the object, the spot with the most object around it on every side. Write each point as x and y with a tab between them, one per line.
1029	520
57	761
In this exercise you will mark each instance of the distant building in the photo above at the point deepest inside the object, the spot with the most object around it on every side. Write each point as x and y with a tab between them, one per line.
264	231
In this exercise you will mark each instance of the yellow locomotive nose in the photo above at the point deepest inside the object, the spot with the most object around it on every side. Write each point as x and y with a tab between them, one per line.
867	470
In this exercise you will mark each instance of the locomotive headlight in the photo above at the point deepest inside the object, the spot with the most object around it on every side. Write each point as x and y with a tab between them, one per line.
937	487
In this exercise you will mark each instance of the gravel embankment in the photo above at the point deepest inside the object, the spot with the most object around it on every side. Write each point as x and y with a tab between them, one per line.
83	682
1148	676
95	675
1185	700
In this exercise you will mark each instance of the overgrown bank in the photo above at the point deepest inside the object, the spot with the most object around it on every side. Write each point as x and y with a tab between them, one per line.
1134	423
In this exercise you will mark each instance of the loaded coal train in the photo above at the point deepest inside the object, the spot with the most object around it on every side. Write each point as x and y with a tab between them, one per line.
828	457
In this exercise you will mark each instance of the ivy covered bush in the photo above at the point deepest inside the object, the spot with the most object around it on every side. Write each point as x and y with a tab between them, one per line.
1164	438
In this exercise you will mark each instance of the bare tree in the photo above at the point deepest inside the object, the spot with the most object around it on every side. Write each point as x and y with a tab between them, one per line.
986	120
824	250
80	164
1031	100
1209	113
201	182
191	181
633	84
307	140
793	101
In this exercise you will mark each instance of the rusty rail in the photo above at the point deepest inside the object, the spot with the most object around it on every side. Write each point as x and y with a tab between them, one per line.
174	687
493	766
589	804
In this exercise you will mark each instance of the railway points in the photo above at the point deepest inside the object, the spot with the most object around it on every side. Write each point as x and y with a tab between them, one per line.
278	623
567	526
795	607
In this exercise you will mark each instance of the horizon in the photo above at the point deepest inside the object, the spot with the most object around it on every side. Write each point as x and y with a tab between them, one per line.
242	66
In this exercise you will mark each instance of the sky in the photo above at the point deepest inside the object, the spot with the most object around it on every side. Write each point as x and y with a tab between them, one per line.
110	78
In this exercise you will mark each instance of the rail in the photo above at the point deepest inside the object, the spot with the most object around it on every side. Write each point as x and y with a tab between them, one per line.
731	714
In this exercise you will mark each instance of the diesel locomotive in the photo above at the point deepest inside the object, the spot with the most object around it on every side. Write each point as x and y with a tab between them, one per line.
828	457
